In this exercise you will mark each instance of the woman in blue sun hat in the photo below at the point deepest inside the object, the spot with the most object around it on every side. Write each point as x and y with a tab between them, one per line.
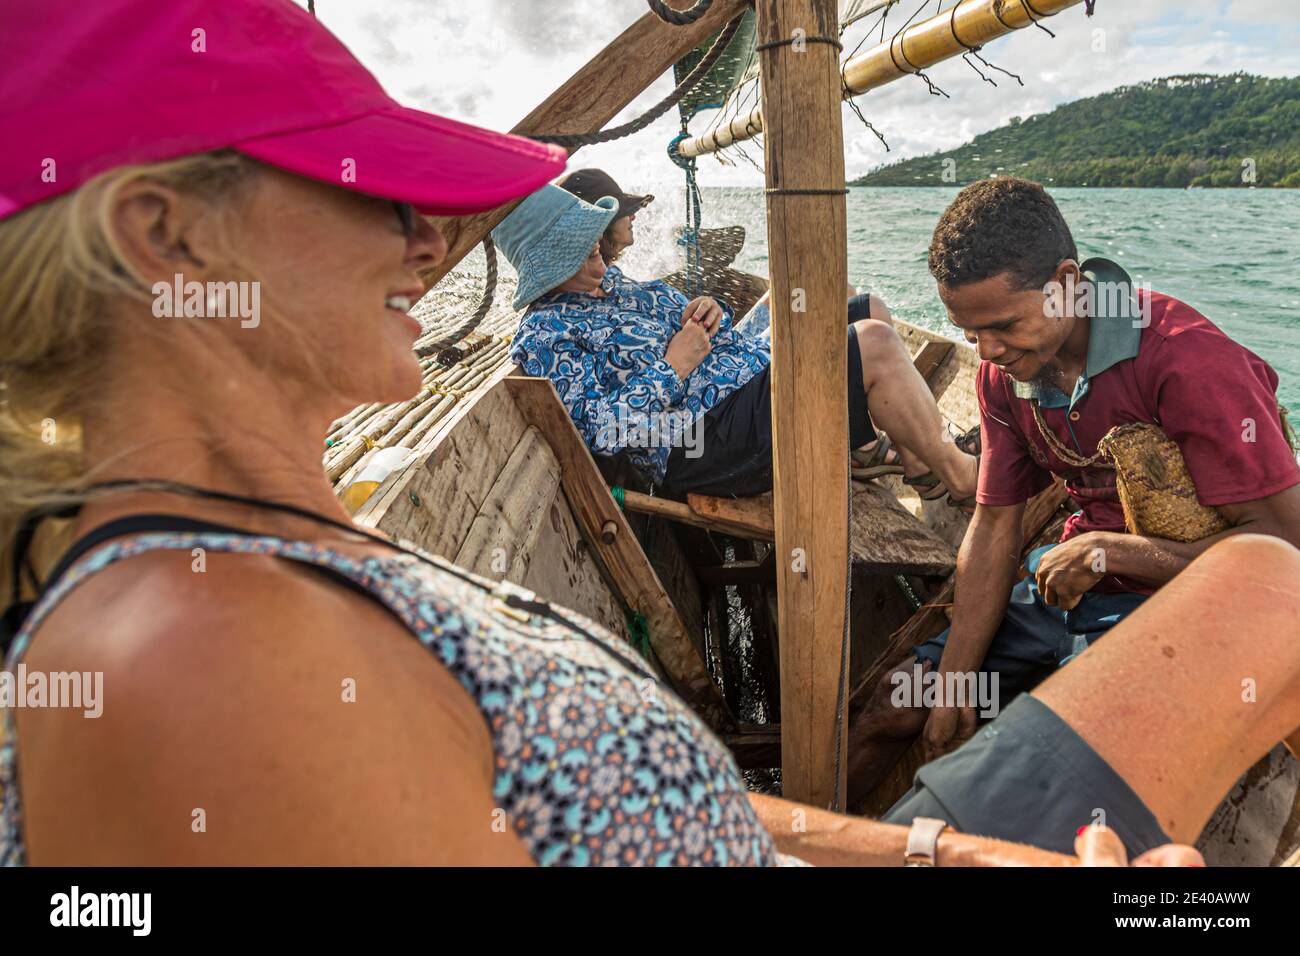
675	385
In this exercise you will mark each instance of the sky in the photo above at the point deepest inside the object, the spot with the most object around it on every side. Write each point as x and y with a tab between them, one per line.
490	62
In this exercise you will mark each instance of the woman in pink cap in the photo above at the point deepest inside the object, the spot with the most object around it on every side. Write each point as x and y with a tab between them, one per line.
279	686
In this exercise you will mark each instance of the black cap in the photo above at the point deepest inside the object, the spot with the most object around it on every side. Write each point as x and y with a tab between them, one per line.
590	185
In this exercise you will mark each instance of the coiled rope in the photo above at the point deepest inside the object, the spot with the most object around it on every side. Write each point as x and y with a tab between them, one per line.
679	18
448	354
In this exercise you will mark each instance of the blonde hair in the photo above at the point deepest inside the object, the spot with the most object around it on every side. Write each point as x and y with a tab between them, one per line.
60	268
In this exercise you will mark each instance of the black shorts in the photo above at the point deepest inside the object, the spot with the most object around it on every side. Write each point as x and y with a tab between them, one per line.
1028	777
736	446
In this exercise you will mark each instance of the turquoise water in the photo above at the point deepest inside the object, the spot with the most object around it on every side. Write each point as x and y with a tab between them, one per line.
1232	254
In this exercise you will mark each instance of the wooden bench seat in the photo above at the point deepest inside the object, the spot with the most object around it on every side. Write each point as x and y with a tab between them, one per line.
886	538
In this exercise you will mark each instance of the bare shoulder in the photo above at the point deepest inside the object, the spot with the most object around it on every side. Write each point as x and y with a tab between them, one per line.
253	711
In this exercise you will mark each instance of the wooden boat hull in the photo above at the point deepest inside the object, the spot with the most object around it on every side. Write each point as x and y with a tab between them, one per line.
488	489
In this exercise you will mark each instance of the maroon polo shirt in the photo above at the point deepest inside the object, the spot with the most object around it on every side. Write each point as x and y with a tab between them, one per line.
1170	366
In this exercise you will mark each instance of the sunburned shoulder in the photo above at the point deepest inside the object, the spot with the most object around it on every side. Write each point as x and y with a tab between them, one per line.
176	608
314	727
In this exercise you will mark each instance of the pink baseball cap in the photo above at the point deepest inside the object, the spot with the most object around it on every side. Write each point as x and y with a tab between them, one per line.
86	87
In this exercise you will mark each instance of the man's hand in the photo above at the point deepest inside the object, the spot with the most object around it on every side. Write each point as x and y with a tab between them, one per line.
705	311
946	728
1072	569
688	349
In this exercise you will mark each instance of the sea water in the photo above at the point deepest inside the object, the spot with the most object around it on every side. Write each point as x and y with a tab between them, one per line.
1233	254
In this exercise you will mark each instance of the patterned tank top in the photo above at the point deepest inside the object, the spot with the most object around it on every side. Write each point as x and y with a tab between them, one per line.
589	767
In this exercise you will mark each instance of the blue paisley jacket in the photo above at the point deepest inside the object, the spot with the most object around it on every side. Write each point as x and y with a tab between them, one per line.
605	357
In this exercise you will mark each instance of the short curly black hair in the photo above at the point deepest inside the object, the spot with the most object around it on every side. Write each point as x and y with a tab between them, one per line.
1003	225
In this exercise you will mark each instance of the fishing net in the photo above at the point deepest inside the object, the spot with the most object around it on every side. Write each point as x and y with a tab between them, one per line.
727	73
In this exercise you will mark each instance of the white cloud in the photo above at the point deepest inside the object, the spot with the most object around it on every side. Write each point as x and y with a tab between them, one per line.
493	61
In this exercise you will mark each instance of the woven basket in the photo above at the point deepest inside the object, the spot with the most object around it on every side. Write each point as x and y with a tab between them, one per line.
1155	490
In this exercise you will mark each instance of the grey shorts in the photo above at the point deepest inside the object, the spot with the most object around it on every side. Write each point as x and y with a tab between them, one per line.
1028	777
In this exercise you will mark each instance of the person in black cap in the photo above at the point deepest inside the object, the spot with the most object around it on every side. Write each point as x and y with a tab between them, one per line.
590	185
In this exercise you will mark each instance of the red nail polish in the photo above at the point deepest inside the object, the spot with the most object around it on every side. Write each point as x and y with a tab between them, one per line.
1079	832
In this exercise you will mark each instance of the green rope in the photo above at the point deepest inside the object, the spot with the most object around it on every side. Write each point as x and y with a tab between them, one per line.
617	492
638	633
1288	430
908	593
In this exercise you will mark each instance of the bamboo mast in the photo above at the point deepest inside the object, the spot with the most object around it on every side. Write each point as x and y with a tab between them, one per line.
589	99
807	256
970	23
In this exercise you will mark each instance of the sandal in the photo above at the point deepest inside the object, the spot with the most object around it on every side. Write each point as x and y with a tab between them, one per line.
929	486
968	442
875	462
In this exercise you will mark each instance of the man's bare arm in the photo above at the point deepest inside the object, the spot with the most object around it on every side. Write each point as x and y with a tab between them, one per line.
1157	560
987	565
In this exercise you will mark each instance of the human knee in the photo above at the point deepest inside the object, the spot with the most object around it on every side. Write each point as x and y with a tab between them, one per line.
1254	559
880	311
876	338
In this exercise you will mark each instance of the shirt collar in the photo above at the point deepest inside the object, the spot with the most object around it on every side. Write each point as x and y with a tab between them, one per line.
1113	333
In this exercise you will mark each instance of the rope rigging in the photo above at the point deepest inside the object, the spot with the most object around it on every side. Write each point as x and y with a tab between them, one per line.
448	354
578	140
679	18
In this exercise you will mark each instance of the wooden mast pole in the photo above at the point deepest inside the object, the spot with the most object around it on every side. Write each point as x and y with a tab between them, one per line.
807	256
970	23
589	99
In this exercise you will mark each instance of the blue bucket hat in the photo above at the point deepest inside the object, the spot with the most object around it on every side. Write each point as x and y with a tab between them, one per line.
549	236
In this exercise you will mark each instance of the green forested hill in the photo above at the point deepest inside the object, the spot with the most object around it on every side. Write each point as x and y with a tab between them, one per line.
1195	130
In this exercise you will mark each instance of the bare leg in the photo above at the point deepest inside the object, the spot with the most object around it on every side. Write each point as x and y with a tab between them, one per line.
902	404
1190	690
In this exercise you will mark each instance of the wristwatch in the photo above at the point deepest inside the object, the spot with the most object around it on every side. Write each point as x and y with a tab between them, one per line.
923	841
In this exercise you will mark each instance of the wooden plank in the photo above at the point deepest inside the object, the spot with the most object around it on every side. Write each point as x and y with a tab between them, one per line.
930	356
888	539
595	510
588	100
433	501
680	511
807	256
565	572
1258	821
753	516
740	572
501	540
659	542
755	746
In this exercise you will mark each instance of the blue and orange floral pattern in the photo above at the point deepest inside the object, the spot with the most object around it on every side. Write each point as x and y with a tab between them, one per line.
596	763
605	356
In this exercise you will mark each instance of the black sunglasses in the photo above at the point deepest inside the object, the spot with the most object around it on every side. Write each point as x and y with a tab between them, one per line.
406	214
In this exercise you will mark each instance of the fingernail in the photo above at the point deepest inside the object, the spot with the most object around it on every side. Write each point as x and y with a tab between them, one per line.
1079	832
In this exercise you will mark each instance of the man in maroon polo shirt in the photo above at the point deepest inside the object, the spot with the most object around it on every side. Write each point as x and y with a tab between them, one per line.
1069	351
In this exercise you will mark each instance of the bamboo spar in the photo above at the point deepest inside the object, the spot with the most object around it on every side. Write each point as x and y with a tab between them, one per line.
951	33
807	243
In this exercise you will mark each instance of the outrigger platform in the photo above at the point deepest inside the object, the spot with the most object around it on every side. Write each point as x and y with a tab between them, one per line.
485	467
